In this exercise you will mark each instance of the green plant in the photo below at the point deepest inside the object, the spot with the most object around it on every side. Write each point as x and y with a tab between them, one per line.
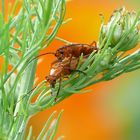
21	39
23	36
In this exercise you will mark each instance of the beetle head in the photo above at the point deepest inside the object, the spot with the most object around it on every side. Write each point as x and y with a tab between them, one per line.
60	54
52	80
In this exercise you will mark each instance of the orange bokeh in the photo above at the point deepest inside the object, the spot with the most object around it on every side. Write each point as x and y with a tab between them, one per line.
85	117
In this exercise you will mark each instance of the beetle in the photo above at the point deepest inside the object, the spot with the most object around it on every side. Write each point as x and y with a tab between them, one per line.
75	50
61	70
72	50
67	61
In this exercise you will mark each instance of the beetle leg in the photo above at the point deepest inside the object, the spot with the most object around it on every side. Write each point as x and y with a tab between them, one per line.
66	77
94	44
79	71
70	59
50	85
74	70
86	56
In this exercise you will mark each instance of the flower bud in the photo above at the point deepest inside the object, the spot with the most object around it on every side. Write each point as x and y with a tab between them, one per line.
122	31
106	58
117	34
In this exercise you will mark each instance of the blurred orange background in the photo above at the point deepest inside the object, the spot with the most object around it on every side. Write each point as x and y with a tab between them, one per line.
111	110
107	112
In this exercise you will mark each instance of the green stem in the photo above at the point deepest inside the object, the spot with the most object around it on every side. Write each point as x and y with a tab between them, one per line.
28	81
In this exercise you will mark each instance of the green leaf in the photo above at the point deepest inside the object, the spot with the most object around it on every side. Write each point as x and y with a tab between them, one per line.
43	132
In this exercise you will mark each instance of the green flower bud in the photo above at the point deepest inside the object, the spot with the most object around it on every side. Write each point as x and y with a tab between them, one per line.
117	34
107	56
122	31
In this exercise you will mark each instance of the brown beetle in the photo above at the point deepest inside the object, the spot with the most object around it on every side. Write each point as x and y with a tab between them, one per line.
61	70
75	50
67	61
72	50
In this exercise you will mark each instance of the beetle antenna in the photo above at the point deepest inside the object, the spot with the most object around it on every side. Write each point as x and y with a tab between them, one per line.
26	95
41	55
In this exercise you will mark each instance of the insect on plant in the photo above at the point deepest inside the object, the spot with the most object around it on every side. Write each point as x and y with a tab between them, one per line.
75	50
62	70
72	50
67	60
